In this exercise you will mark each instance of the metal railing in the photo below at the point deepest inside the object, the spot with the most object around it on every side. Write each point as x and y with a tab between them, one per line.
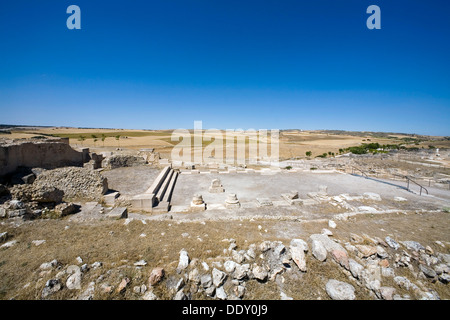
363	173
408	179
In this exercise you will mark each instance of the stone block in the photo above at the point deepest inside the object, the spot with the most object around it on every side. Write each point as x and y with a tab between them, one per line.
197	207
162	207
143	201
262	202
110	198
118	213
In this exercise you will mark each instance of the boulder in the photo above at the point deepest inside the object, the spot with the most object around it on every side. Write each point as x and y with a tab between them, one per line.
259	273
341	257
382	253
328	243
241	271
9	244
371	277
194	276
180	295
299	243
387	293
413	245
366	251
149	295
230	266
64	209
218	277
156	276
206	281
338	290
74	281
444	278
123	285
51	286
184	260
430	273
49	265
392	243
220	293
355	268
298	255
318	250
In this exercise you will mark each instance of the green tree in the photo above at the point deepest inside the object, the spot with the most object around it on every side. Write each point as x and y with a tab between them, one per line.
103	139
94	137
308	153
118	140
81	138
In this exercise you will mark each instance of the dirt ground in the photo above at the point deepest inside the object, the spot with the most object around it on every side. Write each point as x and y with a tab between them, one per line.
117	244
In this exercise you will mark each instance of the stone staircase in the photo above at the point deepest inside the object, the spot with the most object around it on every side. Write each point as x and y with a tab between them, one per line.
157	198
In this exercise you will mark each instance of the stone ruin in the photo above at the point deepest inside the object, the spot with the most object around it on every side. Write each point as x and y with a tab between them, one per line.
157	198
232	201
216	186
197	203
47	154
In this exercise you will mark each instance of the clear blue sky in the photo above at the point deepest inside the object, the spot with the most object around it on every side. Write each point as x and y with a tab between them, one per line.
232	64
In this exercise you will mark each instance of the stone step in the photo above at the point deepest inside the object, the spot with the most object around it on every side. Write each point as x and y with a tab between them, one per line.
164	185
168	195
158	181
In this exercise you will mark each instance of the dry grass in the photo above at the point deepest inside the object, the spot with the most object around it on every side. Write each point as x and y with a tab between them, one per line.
118	246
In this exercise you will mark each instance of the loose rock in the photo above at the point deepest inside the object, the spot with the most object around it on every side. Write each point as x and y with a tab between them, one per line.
338	290
156	276
318	250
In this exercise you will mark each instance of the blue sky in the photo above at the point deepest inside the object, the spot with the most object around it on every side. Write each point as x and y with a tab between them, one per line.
232	64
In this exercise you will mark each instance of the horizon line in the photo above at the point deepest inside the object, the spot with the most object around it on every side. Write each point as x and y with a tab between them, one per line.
5	126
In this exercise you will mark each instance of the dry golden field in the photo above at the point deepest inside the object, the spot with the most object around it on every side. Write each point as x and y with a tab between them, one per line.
292	143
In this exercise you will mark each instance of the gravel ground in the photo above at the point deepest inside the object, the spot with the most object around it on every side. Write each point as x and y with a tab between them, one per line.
249	186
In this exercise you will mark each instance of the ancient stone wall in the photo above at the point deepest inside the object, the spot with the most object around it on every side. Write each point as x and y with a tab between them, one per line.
46	154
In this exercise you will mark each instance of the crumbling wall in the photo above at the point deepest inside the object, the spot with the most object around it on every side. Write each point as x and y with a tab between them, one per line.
118	161
48	154
77	183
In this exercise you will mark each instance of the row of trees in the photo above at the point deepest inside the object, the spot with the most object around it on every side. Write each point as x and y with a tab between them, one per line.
368	148
95	138
323	155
